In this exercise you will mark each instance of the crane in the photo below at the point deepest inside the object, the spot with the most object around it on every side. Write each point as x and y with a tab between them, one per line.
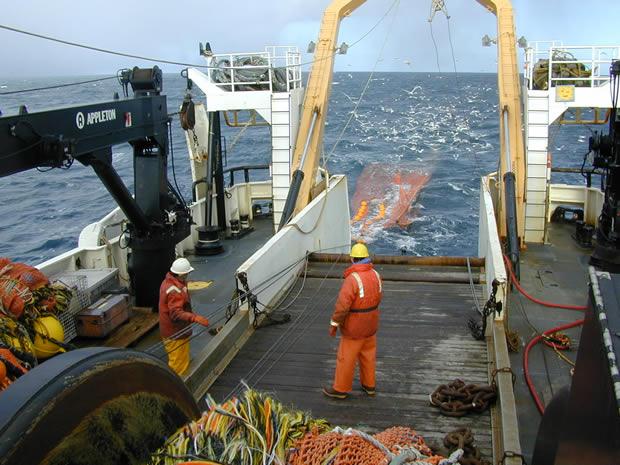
310	135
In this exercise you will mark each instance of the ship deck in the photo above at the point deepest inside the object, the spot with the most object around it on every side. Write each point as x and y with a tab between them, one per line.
219	271
556	272
423	341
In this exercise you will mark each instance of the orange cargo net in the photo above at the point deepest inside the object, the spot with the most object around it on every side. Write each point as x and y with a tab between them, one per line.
336	448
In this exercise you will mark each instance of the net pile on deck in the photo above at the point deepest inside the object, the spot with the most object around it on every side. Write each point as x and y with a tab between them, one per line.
26	296
256	429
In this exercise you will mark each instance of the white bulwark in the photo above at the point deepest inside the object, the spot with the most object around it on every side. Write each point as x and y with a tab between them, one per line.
558	78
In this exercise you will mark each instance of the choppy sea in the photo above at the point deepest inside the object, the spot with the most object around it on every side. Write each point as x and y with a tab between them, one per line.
443	124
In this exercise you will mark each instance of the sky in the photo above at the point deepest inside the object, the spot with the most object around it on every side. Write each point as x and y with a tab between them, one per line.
171	30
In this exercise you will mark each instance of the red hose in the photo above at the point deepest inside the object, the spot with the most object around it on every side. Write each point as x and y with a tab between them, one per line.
534	299
526	369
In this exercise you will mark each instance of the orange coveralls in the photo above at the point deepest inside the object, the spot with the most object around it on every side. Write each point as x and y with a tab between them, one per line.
357	316
175	319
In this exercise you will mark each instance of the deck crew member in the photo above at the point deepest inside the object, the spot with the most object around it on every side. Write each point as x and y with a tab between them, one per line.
176	316
357	316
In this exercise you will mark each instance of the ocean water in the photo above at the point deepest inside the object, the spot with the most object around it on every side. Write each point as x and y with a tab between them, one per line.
443	124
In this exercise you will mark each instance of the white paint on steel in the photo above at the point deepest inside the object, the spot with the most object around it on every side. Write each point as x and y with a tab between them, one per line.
328	214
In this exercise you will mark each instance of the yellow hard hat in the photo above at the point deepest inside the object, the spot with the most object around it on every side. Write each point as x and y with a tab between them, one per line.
359	250
46	328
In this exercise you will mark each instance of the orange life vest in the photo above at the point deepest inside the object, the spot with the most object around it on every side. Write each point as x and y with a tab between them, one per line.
357	307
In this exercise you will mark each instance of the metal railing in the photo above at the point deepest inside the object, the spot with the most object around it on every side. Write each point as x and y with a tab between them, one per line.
246	172
549	64
277	69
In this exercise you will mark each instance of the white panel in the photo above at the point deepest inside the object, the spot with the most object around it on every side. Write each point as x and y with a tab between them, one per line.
538	130
534	236
537	158
538	117
540	104
537	211
280	118
538	197
280	155
330	222
537	184
280	181
279	130
536	171
279	105
534	223
280	143
280	169
536	143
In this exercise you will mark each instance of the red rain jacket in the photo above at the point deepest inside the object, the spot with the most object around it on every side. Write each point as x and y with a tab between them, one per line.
357	308
175	309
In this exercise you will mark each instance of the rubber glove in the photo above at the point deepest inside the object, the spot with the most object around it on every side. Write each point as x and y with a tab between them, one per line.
201	320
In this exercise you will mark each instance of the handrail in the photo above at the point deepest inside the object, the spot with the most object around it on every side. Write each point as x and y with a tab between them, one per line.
246	172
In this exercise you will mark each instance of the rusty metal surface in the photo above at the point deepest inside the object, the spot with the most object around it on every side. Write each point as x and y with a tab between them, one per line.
401	260
402	273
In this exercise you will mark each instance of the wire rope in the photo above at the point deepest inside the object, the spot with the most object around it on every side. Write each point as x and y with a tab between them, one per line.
302	318
57	86
172	62
260	287
361	97
430	24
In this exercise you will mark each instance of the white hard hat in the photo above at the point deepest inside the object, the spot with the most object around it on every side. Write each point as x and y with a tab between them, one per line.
181	266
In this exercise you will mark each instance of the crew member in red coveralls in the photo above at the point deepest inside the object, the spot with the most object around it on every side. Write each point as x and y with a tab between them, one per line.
176	316
357	316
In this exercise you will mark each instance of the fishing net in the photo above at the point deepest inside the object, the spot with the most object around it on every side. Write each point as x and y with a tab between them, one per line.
352	447
250	73
25	295
384	196
573	73
253	428
256	429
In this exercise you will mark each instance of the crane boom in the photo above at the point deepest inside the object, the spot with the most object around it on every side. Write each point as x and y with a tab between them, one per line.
310	135
512	152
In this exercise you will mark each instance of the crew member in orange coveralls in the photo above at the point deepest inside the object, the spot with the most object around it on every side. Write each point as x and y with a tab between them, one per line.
176	316
357	316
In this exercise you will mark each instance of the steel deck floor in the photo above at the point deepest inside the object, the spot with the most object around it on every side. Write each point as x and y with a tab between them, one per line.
423	341
220	269
556	272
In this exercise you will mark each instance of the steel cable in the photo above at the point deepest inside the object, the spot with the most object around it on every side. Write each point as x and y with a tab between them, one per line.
302	318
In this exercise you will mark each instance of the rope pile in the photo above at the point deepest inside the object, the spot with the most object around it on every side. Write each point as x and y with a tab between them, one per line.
251	429
457	398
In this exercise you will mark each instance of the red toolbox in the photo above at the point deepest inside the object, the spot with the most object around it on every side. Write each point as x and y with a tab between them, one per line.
102	317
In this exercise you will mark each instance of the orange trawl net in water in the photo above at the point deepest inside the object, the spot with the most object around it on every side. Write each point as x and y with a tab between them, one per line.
337	448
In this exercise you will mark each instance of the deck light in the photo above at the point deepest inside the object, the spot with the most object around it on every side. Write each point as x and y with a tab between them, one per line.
342	50
487	41
522	42
311	47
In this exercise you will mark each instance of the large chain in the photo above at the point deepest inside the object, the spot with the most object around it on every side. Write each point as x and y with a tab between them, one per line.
463	438
492	306
457	398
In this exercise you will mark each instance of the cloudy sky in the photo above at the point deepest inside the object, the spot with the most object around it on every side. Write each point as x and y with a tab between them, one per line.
172	30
